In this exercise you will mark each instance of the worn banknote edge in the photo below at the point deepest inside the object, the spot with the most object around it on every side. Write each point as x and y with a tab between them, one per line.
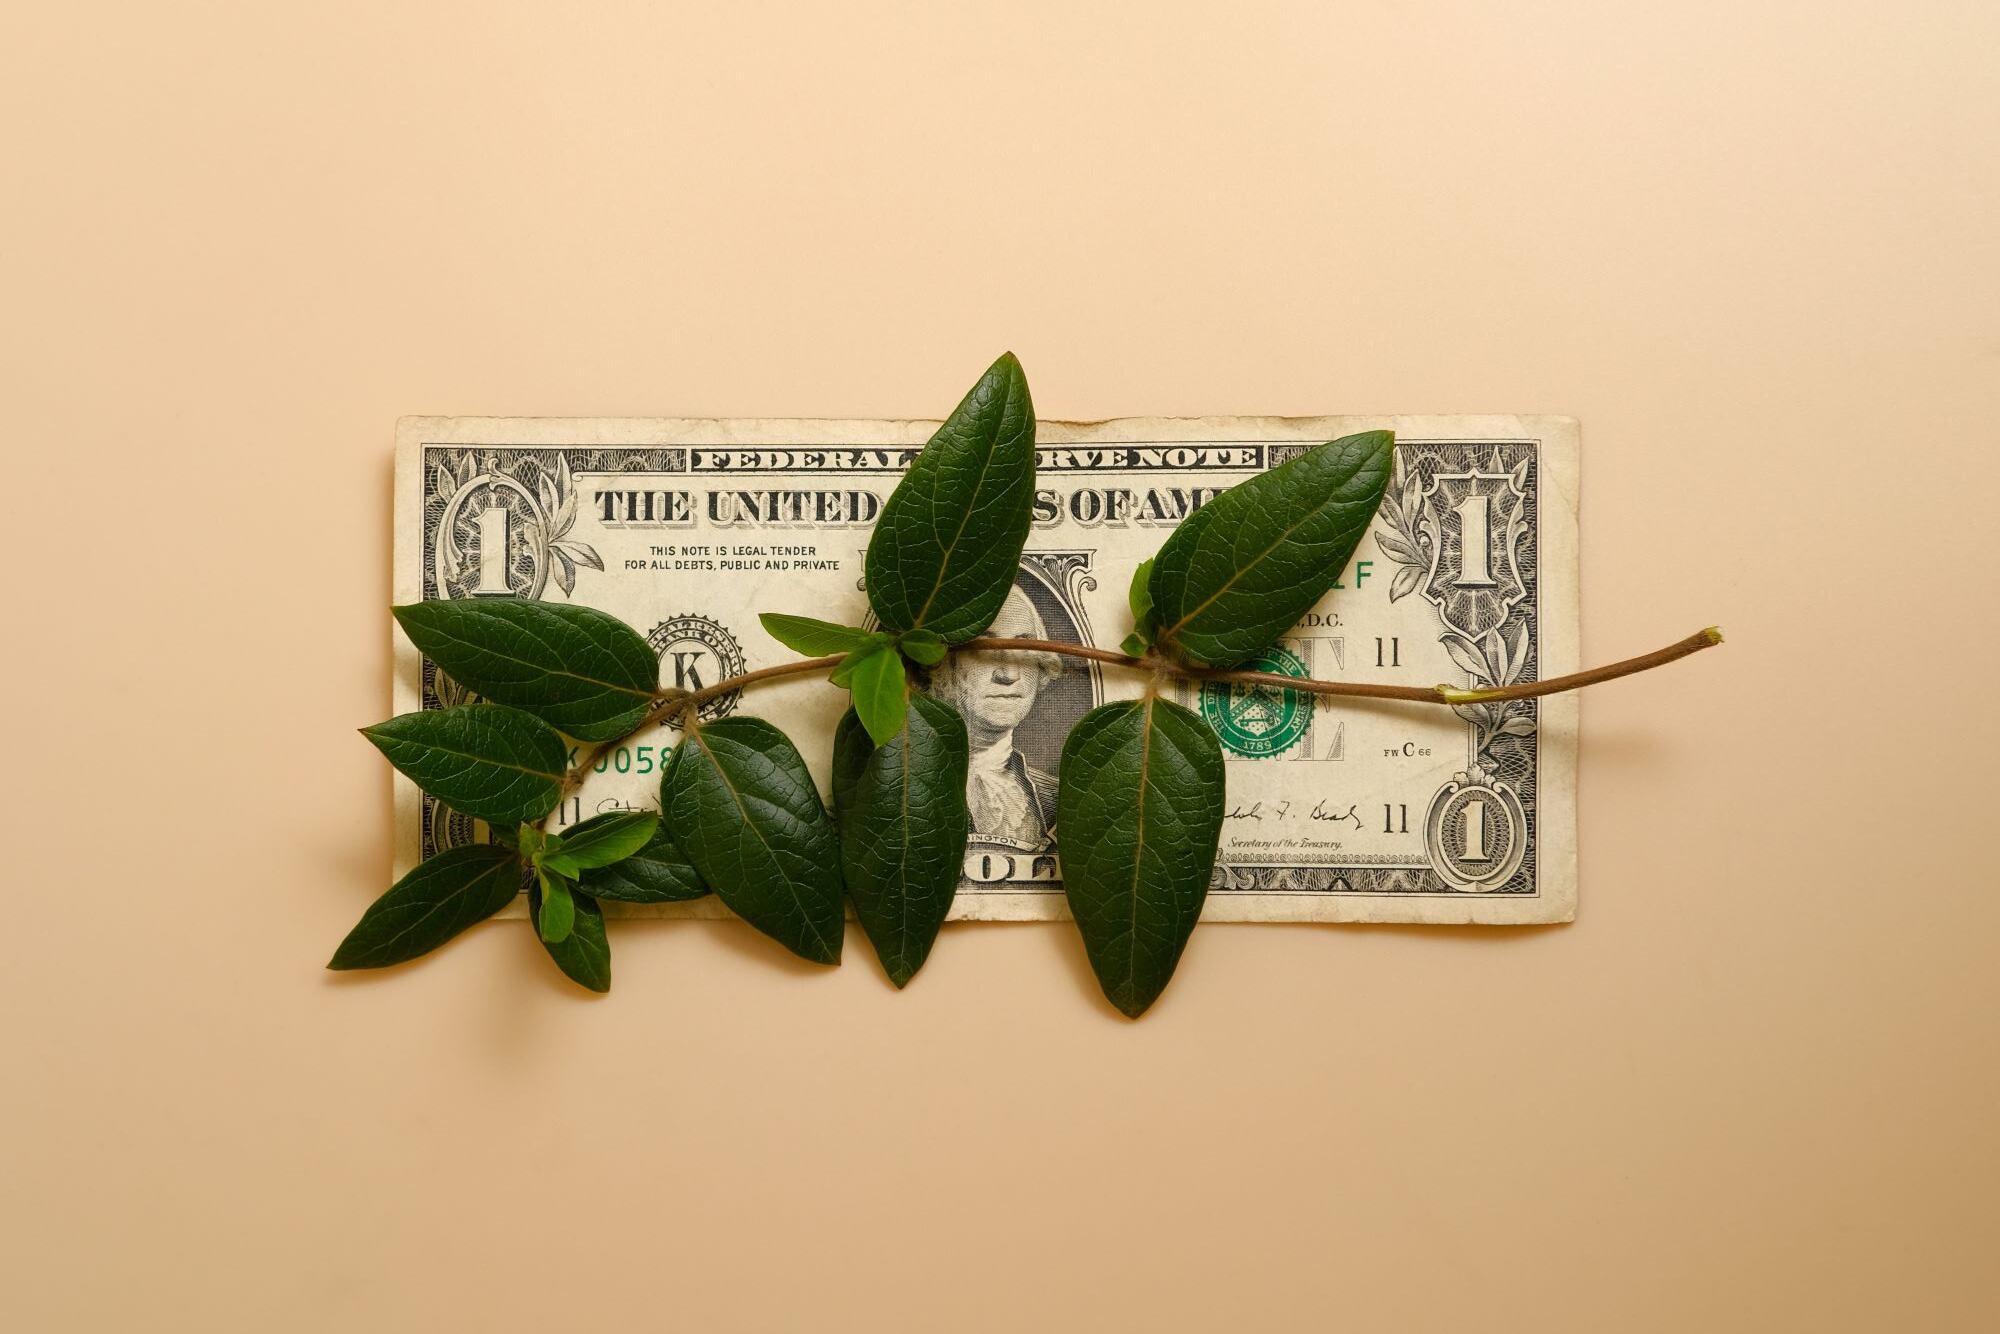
1558	442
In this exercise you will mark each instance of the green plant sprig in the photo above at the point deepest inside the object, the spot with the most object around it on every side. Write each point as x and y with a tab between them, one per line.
672	700
1140	800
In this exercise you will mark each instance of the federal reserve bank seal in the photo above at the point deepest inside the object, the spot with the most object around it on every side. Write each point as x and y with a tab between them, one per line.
696	652
1259	720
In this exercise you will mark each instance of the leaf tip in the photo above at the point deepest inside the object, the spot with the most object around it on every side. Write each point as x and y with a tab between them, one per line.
379	736
1131	1004
1379	447
1006	368
824	948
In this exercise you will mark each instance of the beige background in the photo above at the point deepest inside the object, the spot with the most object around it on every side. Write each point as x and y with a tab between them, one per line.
1751	246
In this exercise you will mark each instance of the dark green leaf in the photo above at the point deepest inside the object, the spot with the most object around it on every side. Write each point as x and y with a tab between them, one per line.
575	668
556	917
880	693
902	817
656	873
1138	815
1134	645
745	812
815	639
584	954
922	646
430	905
489	761
602	840
1250	562
948	543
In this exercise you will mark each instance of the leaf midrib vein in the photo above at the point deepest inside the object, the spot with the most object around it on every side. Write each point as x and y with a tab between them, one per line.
1139	845
1255	561
944	563
446	901
903	862
477	759
541	669
751	824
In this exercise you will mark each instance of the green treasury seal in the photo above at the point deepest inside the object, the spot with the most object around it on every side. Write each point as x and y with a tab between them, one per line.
1259	720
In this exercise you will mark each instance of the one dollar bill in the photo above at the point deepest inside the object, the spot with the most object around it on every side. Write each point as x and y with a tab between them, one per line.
1339	809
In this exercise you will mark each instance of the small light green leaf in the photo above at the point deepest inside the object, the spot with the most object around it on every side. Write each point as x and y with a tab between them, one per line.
948	542
656	873
488	761
843	671
557	916
430	905
1138	816
815	639
602	840
880	692
1141	594
744	810
1249	563
901	812
922	646
584	953
547	852
578	670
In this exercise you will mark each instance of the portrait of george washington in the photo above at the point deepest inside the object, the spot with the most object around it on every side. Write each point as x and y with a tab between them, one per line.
1012	801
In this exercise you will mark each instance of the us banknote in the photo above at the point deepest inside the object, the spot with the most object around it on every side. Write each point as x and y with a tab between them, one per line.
1339	810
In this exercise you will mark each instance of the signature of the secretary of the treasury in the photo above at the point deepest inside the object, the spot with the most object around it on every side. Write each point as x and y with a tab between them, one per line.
1328	812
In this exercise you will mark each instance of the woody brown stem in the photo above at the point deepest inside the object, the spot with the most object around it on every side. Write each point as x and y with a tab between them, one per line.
668	702
1439	694
1659	657
728	684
